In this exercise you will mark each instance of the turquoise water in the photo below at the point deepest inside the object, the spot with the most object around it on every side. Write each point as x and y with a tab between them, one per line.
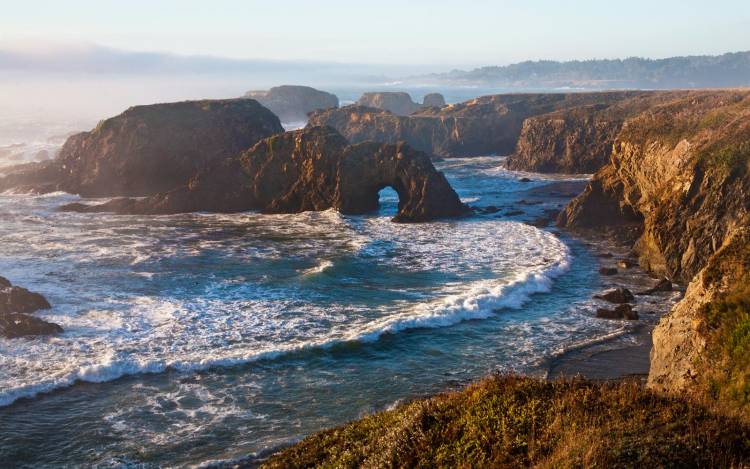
203	337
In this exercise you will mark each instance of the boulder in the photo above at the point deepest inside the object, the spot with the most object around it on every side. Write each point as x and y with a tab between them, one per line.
14	325
148	149
20	300
310	169
293	103
624	311
608	271
618	295
663	285
15	305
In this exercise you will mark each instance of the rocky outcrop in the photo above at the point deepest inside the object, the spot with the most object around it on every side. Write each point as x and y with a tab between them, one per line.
680	171
397	103
433	100
148	149
490	125
293	103
16	305
311	169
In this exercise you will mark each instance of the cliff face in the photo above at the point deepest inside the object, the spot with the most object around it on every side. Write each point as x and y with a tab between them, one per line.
680	171
293	103
579	139
311	169
148	149
490	125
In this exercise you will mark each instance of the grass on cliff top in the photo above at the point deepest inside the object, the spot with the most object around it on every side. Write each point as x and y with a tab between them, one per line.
509	421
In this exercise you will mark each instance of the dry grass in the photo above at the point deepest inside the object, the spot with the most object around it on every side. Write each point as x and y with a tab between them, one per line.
510	421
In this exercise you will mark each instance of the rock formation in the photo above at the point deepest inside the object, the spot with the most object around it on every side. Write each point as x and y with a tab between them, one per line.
293	103
311	169
16	305
679	172
148	149
433	100
490	125
397	103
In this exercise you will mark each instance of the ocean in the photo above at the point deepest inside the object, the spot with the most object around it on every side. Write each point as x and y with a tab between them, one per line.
200	338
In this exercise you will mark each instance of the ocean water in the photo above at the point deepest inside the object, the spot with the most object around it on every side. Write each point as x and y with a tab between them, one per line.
200	338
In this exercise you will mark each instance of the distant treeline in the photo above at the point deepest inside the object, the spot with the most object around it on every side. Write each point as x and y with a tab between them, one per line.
726	70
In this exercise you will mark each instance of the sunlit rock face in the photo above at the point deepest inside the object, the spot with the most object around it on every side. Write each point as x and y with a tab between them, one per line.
310	169
148	149
293	103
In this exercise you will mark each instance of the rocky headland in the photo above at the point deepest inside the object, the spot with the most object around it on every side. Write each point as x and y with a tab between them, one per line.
678	178
311	169
489	125
292	103
16	307
147	149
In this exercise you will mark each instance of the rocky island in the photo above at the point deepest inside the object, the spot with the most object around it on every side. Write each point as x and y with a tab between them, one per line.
16	307
293	103
147	149
399	103
310	169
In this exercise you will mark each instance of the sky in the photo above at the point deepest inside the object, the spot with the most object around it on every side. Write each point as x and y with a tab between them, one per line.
443	33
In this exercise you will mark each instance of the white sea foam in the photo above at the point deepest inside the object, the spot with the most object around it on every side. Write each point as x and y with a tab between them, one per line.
112	332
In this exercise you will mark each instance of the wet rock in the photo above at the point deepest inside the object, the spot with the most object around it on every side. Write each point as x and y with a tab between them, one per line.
20	300
608	271
618	295
514	213
14	325
524	180
15	305
624	311
490	209
605	255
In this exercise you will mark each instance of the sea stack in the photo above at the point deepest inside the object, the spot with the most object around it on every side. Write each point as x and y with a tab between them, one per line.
293	103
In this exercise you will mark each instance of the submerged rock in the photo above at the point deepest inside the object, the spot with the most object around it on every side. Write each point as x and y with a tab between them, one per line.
310	169
148	149
293	103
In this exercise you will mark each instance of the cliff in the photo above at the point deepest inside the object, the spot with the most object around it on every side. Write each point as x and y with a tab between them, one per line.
679	173
311	169
578	139
293	103
489	125
148	149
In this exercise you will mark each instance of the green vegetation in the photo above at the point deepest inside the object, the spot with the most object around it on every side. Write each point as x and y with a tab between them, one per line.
727	319
509	421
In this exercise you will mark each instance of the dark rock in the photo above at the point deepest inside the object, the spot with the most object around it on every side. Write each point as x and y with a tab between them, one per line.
148	149
433	100
662	286
608	271
605	255
293	103
513	213
524	180
20	300
618	295
624	311
4	283
490	209
14	325
310	169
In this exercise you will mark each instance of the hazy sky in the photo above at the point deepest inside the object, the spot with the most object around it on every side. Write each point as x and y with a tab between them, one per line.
455	33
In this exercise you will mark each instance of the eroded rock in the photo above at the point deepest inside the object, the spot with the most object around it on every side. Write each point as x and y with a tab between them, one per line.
292	103
617	295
